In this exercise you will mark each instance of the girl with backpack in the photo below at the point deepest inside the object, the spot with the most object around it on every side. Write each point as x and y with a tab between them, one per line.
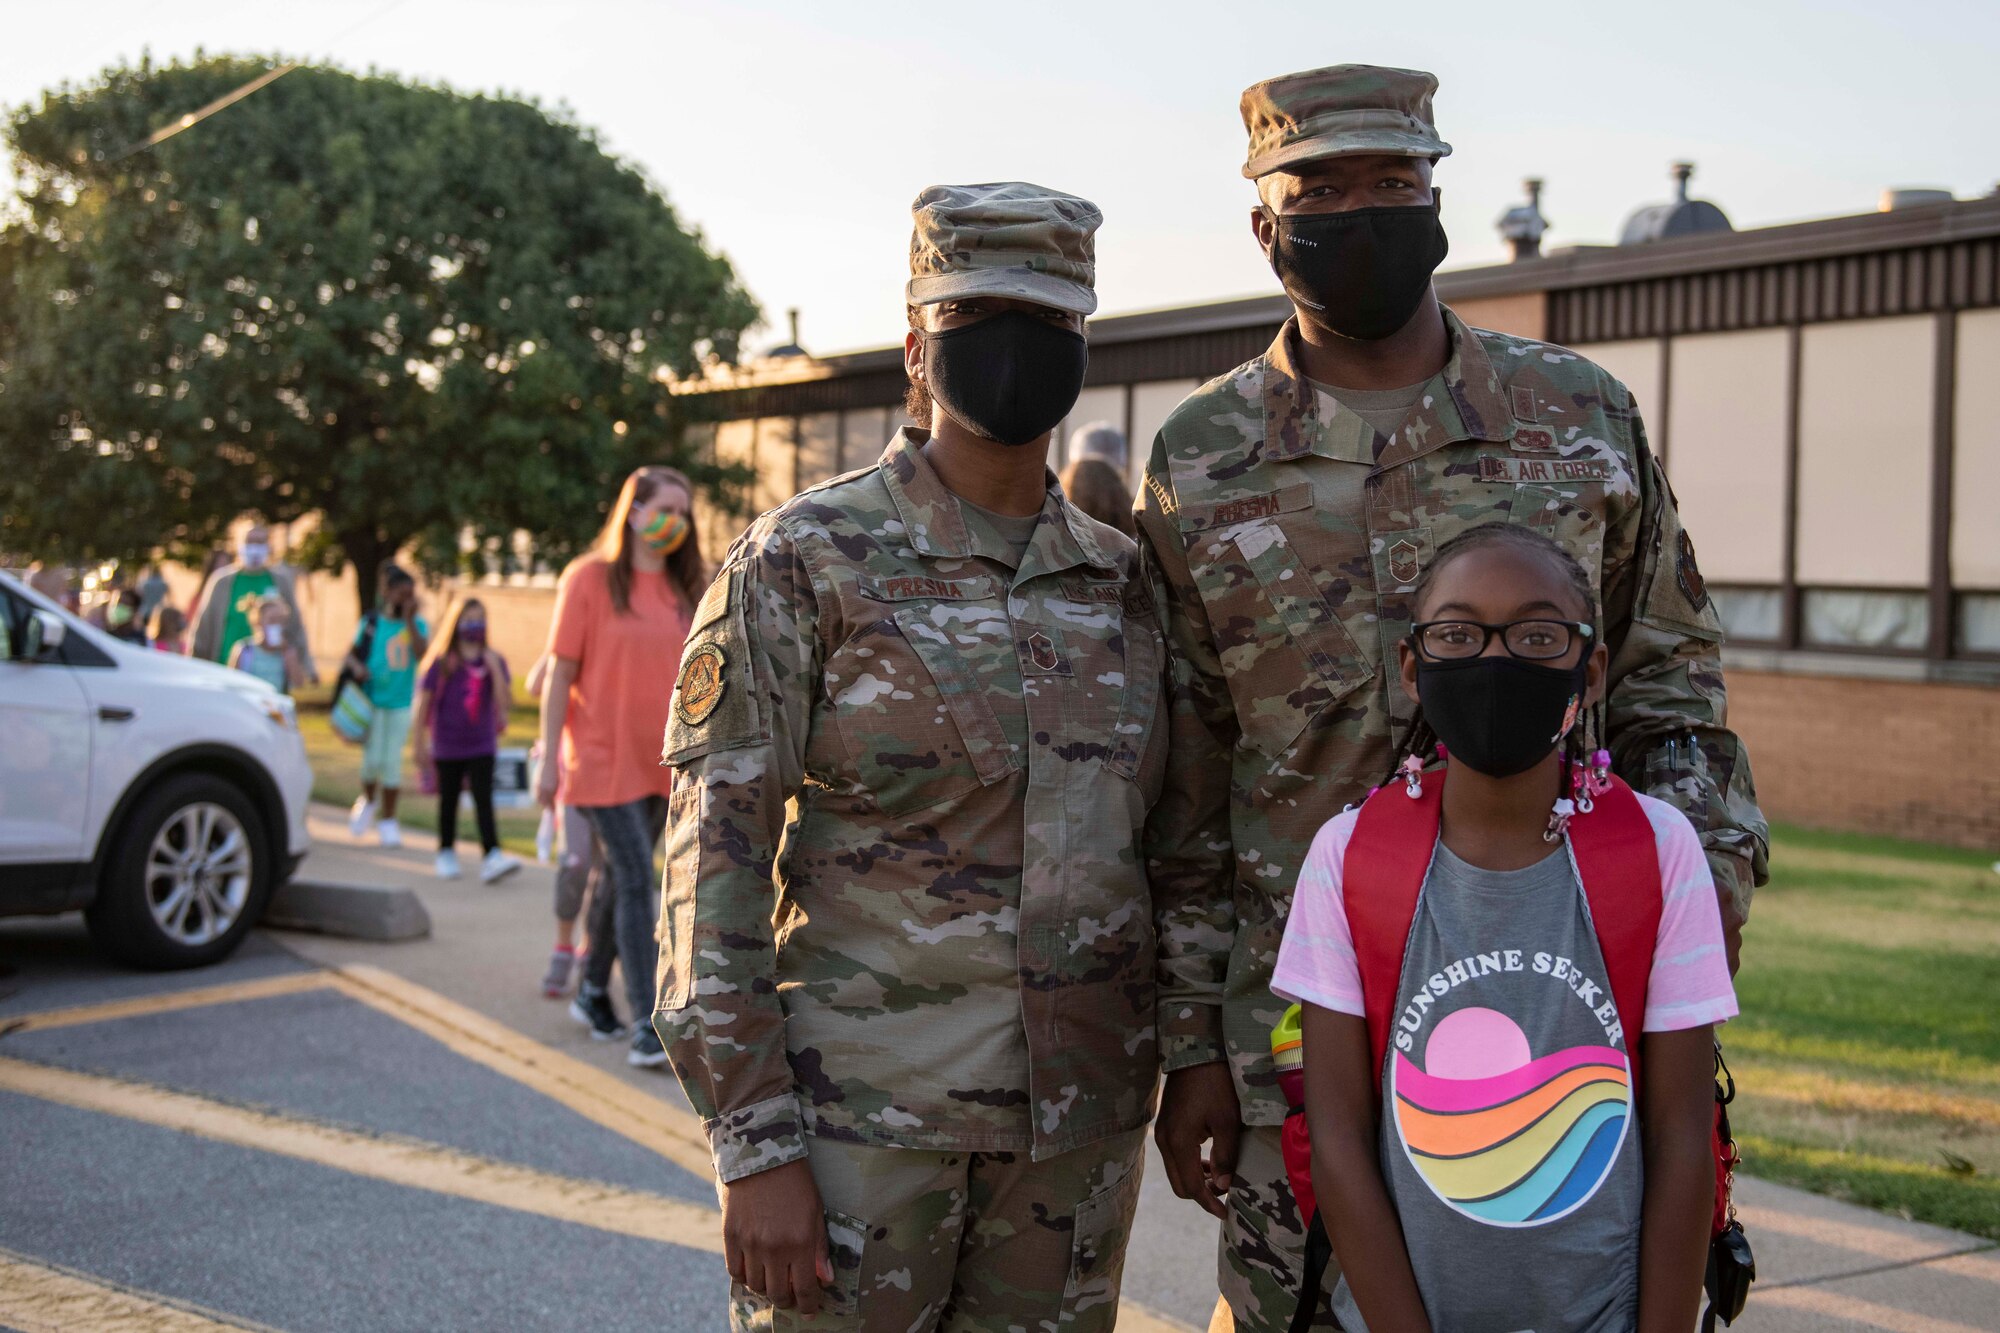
1511	966
461	710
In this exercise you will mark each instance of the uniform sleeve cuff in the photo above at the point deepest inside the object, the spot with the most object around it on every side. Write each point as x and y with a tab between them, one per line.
1735	877
1187	1052
756	1138
1190	1033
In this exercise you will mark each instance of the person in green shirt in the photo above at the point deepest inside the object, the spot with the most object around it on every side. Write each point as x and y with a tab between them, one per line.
388	644
222	615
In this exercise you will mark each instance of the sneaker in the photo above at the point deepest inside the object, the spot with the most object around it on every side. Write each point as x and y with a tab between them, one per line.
562	963
497	866
646	1052
361	817
592	1008
390	832
447	864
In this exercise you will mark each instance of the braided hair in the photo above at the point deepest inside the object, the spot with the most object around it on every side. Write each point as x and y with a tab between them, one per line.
1420	739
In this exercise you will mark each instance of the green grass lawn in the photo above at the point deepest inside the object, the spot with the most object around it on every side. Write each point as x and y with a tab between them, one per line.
1867	1056
336	769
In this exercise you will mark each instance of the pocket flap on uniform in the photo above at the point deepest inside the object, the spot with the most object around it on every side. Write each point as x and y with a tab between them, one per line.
1244	508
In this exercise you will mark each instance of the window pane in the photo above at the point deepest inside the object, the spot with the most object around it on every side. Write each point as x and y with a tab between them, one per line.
1727	459
1979	622
819	448
1750	615
1841	619
1975	469
1865	453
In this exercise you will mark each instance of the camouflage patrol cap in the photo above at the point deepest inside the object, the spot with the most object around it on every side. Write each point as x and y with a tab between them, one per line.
1005	239
1337	111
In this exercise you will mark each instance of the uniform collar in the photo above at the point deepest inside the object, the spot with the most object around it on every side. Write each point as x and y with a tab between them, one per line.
935	524
1462	402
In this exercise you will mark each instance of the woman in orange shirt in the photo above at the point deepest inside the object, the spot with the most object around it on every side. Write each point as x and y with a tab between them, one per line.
622	616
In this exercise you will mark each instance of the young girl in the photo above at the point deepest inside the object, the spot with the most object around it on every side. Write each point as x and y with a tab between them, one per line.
461	711
169	629
388	644
1480	1154
267	654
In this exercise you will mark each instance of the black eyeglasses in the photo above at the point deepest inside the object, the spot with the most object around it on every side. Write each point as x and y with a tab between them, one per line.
1531	640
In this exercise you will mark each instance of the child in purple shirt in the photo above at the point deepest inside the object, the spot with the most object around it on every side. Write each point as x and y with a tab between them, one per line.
461	711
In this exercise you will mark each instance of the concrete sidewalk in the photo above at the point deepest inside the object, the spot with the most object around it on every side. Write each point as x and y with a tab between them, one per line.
1822	1265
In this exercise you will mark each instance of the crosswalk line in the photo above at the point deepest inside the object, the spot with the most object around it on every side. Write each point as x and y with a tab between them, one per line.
43	1298
398	1161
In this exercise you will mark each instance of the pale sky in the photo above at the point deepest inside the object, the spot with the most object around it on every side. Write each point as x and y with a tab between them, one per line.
794	135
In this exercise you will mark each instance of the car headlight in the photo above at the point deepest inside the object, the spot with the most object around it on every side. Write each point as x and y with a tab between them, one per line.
278	707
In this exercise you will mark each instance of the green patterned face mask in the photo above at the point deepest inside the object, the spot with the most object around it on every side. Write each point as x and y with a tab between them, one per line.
665	532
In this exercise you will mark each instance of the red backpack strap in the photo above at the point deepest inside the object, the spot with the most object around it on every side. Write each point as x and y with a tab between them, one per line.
1387	858
1618	859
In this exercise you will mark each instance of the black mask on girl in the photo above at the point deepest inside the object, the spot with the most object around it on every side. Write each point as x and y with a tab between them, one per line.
1499	715
1011	377
1361	273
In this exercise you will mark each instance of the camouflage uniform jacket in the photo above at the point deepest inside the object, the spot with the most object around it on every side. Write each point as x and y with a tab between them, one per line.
1291	536
961	954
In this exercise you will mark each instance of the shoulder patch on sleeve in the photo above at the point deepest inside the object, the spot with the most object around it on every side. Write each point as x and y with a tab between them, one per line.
702	684
715	705
1676	596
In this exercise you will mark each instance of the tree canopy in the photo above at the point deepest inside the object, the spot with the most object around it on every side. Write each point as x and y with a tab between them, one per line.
410	311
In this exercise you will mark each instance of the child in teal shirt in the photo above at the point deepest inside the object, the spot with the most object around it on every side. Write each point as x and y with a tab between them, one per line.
390	642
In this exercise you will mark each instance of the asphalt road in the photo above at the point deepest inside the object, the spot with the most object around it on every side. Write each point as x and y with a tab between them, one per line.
329	1135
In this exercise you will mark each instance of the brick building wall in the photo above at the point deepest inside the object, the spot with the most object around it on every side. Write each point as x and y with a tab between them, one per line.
1910	760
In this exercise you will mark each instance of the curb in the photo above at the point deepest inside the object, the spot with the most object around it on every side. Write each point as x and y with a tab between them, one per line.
353	911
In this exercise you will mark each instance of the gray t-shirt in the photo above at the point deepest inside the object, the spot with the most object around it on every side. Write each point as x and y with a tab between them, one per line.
1509	1142
1008	532
1384	409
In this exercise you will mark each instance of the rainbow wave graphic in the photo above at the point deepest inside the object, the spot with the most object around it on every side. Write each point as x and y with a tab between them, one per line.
1521	1146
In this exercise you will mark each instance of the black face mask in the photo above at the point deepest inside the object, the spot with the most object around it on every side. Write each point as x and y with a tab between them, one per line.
1359	273
1499	715
1011	377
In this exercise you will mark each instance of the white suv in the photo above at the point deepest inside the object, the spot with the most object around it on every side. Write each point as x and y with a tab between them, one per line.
163	796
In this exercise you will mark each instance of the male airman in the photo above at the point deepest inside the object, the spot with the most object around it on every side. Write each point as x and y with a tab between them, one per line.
1291	505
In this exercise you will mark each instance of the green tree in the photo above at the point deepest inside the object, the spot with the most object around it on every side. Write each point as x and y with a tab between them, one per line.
407	310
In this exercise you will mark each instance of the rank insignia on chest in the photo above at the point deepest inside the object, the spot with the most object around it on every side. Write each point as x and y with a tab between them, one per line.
1042	652
1534	440
701	684
1405	561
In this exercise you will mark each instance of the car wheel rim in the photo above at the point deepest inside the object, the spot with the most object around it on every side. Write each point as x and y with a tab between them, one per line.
198	873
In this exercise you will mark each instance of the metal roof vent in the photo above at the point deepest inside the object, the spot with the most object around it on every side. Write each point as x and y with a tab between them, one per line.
1682	217
792	347
1894	200
1523	225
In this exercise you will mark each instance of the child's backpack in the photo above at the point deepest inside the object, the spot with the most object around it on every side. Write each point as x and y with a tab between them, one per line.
1383	873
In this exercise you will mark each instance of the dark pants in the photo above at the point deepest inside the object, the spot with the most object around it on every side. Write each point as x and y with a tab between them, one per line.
476	773
629	833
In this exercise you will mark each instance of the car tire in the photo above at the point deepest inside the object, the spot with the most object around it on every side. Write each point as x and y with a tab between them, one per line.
186	876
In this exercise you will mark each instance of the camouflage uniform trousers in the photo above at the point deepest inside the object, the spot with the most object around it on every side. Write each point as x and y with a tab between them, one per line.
1264	1241
967	1241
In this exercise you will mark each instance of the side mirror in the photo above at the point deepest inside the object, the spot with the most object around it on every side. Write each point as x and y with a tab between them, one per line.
45	634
